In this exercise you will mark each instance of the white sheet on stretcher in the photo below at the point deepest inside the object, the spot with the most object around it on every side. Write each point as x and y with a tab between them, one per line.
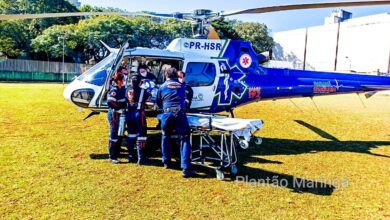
241	127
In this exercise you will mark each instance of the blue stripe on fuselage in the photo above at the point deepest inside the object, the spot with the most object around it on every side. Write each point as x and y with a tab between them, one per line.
246	85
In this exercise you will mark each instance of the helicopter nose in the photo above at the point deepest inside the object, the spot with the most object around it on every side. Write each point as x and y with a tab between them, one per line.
68	91
80	93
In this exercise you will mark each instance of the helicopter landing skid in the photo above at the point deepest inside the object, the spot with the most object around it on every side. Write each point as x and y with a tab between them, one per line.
231	111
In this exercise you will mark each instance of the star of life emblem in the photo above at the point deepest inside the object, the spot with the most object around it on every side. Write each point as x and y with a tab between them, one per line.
245	61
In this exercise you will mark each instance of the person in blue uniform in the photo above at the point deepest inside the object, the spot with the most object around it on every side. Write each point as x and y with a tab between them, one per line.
116	100
171	98
137	96
189	91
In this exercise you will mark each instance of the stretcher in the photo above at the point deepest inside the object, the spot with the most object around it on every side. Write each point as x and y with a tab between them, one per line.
215	139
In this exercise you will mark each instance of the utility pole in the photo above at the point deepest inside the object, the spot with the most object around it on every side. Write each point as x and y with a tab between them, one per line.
305	51
388	67
63	58
337	43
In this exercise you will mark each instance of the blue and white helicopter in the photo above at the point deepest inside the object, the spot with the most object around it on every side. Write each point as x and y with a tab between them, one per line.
224	74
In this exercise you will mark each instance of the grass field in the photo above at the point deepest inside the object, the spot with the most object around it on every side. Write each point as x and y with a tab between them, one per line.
53	164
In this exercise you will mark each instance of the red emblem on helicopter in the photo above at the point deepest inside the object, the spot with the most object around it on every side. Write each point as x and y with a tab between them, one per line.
245	60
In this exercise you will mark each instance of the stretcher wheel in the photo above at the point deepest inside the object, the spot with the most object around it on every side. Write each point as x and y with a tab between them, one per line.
244	144
220	175
258	140
233	170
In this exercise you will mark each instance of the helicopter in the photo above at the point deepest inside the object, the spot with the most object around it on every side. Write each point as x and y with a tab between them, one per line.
223	73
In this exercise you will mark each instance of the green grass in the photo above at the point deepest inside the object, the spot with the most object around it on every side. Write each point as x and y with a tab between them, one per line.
52	164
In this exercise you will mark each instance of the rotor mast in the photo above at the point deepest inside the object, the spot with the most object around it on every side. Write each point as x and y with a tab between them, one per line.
202	19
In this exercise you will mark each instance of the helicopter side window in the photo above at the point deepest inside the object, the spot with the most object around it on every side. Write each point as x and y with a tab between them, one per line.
200	74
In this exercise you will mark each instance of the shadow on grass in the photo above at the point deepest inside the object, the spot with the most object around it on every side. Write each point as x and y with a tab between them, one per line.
274	146
319	131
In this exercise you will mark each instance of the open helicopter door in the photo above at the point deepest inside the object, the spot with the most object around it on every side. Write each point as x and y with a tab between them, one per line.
111	71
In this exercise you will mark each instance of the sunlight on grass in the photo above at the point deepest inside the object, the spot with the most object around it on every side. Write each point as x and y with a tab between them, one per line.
53	164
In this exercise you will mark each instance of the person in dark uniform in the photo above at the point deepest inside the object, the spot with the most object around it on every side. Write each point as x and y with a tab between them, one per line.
189	91
121	70
171	98
116	100
137	95
145	74
112	83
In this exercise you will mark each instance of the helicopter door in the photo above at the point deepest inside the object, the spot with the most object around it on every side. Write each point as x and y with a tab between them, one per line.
111	70
202	76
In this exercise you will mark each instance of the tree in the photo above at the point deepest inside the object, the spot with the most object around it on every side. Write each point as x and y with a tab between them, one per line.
6	47
50	42
225	29
175	29
257	34
21	32
47	6
40	6
113	30
84	38
89	8
9	7
145	33
13	33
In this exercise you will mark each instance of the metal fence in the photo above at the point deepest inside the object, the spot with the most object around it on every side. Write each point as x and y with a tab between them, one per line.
32	70
42	66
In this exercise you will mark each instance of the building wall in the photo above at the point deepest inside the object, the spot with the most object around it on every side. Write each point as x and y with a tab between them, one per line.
364	45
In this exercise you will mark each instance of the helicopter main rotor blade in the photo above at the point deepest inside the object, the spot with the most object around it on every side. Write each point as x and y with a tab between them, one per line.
79	14
66	14
188	17
305	6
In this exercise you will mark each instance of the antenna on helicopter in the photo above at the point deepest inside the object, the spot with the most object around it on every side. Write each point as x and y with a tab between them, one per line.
295	105
107	47
361	100
315	104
